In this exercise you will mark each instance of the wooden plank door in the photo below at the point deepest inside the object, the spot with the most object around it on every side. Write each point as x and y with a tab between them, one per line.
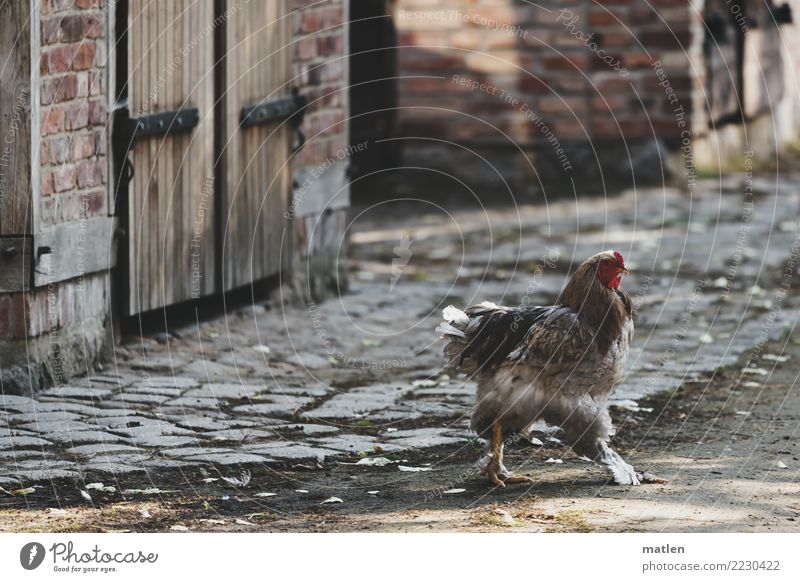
257	189
171	238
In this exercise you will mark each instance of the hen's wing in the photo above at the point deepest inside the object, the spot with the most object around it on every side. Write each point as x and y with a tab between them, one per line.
487	335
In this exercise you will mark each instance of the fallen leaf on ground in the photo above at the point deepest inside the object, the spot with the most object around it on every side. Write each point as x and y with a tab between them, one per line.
179	528
266	494
86	496
333	500
413	469
453	491
148	491
243	522
505	517
101	487
781	465
424	383
56	511
145	513
375	461
213	521
25	491
242	481
374	492
552	460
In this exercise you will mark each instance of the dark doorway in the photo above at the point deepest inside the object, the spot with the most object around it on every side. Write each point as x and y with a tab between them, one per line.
373	92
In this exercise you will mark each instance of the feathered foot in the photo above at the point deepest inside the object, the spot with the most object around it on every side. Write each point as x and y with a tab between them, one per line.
498	475
622	472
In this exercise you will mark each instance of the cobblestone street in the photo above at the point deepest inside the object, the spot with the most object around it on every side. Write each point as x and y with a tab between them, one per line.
358	381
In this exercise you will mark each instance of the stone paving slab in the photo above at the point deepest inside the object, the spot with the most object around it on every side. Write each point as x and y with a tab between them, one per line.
362	375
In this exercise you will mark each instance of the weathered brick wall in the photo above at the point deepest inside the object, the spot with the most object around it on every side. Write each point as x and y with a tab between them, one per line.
560	81
321	195
74	110
57	330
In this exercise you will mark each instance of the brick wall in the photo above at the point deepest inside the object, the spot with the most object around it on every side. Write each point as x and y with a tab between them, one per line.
57	330
321	195
543	84
74	110
320	69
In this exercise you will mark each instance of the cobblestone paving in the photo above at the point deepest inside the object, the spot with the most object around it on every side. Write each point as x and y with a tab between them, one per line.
360	376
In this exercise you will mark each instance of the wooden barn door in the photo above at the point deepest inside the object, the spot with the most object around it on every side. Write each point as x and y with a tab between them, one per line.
256	141
203	146
168	135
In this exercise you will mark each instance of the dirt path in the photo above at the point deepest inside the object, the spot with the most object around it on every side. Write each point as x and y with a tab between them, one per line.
729	451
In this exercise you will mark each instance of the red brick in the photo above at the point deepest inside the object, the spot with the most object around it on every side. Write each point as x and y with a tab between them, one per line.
77	115
93	203
96	83
637	60
6	316
530	84
53	120
61	5
59	89
44	157
603	18
671	40
64	178
90	174
98	114
309	21
59	150
47	184
307	47
330	45
82	89
564	62
59	58
84	57
331	17
51	31
83	146
19	315
100	142
80	26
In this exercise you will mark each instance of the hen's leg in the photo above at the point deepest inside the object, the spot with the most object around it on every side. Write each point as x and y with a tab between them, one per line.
495	470
587	429
495	466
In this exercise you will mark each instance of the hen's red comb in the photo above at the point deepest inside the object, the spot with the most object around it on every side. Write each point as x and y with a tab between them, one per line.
619	258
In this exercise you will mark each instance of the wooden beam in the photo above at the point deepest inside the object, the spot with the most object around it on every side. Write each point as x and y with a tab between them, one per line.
74	249
16	151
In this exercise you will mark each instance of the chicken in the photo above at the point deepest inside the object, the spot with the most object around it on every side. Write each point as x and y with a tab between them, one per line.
559	363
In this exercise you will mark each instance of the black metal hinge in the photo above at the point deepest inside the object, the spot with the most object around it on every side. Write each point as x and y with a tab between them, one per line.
292	107
129	129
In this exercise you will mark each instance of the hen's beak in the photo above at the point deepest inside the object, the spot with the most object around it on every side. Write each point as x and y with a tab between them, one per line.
623	270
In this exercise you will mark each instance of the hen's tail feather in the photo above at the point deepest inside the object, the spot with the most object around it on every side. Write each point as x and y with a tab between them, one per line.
481	337
455	316
448	330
